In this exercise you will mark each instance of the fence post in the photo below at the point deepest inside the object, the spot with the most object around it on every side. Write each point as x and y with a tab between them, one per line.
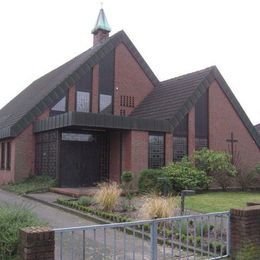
37	243
154	230
245	233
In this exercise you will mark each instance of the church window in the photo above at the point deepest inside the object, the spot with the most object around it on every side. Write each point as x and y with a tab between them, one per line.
83	101
156	151
180	140
105	104
180	150
59	107
106	83
201	122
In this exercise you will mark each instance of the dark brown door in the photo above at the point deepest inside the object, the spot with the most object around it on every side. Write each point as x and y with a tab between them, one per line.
79	164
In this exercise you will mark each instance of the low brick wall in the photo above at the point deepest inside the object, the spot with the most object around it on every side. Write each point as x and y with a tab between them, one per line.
245	233
37	243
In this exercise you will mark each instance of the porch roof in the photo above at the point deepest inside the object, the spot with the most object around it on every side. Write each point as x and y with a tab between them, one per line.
102	121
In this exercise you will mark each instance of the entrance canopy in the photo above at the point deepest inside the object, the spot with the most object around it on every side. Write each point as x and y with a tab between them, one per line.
101	120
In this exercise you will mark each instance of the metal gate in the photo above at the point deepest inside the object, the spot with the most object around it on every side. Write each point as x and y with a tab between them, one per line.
204	236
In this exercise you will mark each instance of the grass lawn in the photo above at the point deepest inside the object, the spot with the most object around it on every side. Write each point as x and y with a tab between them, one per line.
220	201
32	184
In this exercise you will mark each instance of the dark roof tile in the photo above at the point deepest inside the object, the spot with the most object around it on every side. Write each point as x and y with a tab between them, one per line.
169	97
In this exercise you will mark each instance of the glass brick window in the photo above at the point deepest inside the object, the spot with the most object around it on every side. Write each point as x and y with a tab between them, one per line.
156	150
83	101
180	148
105	104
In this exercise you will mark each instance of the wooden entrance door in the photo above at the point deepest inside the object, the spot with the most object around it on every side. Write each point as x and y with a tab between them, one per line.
79	162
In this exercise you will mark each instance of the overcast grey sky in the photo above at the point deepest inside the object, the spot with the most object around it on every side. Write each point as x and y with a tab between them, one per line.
174	37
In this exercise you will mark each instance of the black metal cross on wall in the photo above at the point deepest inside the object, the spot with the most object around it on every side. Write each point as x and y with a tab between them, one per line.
232	141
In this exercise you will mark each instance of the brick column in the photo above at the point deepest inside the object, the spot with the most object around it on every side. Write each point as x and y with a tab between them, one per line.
245	233
37	243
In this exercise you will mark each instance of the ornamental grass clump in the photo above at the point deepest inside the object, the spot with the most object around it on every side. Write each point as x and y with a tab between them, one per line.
159	207
108	195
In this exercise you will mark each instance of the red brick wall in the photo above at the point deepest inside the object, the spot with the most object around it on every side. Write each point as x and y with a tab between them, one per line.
95	89
72	99
37	243
24	154
222	121
245	233
168	148
135	153
114	160
130	80
7	176
191	131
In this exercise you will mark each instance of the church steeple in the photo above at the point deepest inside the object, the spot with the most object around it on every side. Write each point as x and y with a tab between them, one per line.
102	28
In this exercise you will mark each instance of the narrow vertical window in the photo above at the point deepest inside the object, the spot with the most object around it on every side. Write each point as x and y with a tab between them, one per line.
180	145
83	101
180	140
201	122
156	150
2	156
105	104
106	83
8	156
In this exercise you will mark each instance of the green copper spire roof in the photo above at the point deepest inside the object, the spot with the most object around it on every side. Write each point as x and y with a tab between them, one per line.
102	23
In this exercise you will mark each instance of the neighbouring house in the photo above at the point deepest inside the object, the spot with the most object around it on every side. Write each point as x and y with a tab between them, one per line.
105	112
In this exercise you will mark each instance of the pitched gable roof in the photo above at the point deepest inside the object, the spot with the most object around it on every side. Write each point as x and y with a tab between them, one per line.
174	98
47	90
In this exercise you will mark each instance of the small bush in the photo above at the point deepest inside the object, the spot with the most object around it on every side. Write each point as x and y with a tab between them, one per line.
158	207
127	177
85	201
11	220
184	175
107	195
148	181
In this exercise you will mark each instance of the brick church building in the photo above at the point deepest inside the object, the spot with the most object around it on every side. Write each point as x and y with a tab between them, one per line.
105	112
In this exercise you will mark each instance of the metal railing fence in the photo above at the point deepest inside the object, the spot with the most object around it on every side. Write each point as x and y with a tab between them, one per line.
204	236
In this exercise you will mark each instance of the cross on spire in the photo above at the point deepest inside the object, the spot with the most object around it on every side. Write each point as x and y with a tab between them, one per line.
232	141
